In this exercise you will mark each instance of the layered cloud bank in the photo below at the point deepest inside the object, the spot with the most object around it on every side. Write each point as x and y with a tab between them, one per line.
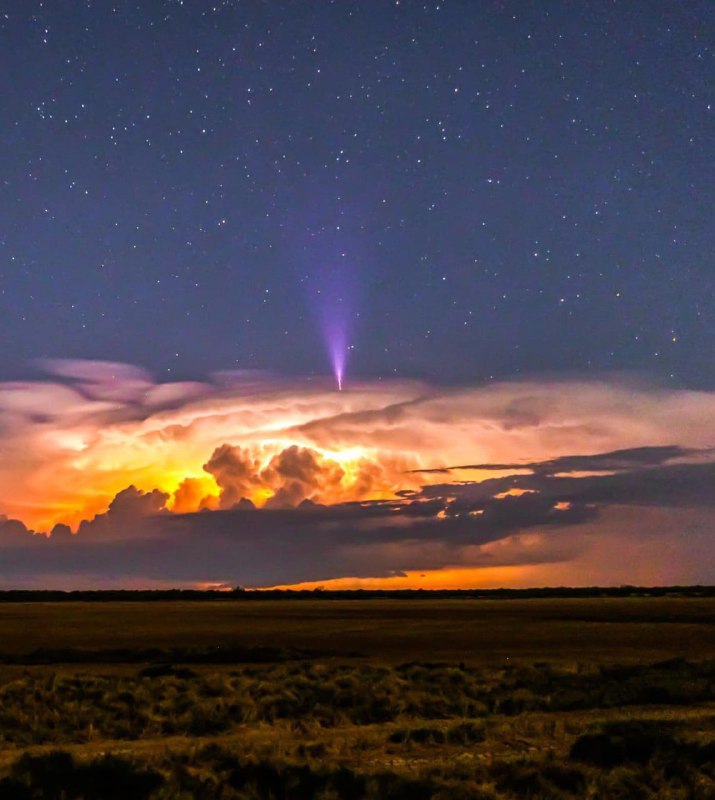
110	478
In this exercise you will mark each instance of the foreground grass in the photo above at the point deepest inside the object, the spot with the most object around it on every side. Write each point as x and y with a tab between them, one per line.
360	730
162	700
549	699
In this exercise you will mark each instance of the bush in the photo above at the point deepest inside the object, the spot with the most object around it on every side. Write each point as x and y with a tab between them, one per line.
12	789
635	742
598	749
56	776
466	733
418	736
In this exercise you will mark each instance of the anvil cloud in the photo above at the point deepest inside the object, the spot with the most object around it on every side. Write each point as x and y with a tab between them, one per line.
250	479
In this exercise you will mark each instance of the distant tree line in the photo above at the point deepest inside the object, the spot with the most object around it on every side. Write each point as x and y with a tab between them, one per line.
240	594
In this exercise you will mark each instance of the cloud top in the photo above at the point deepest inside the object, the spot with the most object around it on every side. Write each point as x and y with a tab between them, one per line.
246	478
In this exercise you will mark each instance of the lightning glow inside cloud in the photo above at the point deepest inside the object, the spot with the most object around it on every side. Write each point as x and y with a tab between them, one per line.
74	441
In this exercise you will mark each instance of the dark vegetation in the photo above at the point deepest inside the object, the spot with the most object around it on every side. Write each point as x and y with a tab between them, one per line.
276	722
54	708
261	595
677	768
312	730
231	654
58	776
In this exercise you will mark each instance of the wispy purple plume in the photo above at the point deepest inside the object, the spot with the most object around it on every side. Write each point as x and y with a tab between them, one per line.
338	349
330	261
334	311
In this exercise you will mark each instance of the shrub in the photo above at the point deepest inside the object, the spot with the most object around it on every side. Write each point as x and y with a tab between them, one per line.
417	736
13	789
598	749
56	776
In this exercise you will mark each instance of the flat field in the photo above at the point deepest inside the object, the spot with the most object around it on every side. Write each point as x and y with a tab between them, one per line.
358	699
473	631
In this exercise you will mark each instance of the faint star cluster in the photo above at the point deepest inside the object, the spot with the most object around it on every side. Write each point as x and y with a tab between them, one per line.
512	188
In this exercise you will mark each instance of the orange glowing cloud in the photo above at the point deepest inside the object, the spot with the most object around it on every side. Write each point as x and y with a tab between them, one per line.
72	441
71	446
250	480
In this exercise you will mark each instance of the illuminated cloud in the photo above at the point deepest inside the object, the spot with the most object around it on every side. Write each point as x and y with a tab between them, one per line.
161	481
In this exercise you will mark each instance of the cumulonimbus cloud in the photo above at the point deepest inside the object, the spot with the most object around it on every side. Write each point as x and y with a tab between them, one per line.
162	481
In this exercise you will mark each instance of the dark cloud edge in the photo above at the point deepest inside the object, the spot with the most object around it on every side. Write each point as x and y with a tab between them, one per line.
427	528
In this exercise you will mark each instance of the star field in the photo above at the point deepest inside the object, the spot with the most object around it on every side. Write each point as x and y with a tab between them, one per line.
483	190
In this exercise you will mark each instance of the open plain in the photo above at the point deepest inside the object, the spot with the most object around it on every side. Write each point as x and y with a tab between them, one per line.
634	629
544	698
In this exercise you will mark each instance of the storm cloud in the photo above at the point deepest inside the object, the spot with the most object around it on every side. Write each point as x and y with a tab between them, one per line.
109	478
511	521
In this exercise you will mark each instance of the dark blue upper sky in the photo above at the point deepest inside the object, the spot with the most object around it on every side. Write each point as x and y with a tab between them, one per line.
477	188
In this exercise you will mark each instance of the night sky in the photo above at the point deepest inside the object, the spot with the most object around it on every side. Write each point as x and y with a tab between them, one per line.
469	191
360	294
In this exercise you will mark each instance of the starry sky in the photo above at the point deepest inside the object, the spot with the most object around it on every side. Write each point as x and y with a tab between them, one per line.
476	190
382	293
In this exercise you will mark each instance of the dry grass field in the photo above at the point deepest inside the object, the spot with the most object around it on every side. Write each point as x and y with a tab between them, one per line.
474	631
469	699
